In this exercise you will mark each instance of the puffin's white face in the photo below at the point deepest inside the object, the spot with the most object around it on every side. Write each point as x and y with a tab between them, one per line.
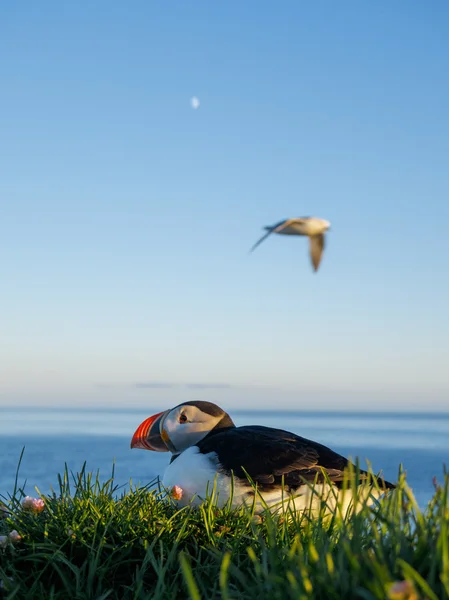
185	426
177	429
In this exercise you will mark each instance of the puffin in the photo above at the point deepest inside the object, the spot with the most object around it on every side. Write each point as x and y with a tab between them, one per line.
312	227
260	467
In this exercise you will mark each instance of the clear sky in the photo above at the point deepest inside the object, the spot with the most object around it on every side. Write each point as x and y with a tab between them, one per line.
127	216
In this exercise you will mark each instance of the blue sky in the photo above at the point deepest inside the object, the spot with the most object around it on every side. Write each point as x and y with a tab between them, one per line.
127	216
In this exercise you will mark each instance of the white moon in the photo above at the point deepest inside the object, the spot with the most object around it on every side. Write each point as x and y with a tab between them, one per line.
195	103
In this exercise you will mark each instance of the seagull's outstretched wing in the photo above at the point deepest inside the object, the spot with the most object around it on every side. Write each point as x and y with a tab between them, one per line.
316	249
275	229
264	237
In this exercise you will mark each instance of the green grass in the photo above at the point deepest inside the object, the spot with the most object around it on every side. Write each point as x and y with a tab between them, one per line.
95	541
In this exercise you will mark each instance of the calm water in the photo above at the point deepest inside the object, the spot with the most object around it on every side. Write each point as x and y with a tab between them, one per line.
53	437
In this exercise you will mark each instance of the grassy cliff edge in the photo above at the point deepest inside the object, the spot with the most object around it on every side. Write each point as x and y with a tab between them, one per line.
92	540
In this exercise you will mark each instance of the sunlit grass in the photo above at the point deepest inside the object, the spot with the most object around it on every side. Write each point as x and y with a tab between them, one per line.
94	540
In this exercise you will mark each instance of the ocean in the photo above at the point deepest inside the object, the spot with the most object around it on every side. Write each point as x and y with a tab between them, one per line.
53	437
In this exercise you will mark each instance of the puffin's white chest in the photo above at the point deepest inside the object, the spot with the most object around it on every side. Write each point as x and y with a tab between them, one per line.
198	476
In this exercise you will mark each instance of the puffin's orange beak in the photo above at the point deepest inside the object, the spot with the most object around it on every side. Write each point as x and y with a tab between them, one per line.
148	435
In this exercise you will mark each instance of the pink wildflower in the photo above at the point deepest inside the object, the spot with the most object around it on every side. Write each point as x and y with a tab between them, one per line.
39	505
36	505
14	536
176	492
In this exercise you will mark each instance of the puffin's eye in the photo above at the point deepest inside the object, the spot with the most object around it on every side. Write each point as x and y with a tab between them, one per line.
182	418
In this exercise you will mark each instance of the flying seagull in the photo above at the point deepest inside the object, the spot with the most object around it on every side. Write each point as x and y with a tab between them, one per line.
313	227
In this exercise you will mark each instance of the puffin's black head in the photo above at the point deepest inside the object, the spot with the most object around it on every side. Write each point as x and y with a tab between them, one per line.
181	427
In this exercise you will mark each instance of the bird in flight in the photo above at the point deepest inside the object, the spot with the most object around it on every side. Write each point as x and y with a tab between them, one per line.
312	227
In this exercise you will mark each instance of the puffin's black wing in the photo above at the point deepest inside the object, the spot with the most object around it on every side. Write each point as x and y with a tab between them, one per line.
271	456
